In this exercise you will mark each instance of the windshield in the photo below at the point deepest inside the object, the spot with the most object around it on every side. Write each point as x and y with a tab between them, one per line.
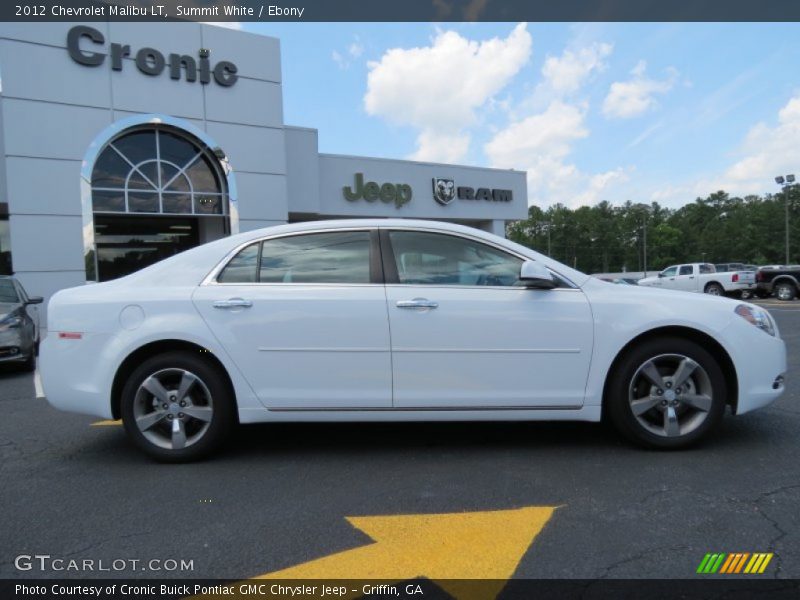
8	292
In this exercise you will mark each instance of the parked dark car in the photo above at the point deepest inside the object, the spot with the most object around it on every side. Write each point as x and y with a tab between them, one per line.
783	281
19	329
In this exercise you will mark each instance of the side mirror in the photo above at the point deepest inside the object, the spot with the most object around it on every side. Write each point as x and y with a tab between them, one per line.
660	275
35	300
535	275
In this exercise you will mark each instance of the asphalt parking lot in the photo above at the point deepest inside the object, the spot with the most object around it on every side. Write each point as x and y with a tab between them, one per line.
280	496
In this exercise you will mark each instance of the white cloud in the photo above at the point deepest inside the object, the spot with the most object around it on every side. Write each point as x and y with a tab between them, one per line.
540	145
632	98
439	88
440	147
549	134
345	58
767	150
565	74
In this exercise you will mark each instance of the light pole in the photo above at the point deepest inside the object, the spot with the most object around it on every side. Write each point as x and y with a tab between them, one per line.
645	210
785	183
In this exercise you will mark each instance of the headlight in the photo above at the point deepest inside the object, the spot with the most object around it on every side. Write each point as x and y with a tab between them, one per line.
756	316
10	322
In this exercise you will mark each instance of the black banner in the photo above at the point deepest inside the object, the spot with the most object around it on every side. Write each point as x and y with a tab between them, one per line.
402	10
731	588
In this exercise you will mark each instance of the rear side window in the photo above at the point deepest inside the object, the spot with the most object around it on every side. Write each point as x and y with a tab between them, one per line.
685	270
243	268
337	257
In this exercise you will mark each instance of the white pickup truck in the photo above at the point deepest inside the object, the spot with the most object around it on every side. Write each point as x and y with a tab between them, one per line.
703	277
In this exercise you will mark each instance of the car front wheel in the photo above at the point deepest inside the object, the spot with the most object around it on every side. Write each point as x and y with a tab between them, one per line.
177	407
667	393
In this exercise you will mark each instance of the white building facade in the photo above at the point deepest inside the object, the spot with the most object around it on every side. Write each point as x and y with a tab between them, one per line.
124	143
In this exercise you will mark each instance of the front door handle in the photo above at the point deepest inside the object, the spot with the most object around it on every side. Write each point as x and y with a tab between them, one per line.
417	303
233	303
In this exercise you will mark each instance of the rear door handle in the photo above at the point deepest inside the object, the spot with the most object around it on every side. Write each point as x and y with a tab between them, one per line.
417	303
233	303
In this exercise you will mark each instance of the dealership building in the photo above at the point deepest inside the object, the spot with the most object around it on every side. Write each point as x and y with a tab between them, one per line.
124	143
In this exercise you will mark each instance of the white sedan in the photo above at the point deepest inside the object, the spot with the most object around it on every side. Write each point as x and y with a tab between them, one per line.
397	320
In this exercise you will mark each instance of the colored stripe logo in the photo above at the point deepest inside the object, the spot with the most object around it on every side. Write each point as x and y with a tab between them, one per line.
735	563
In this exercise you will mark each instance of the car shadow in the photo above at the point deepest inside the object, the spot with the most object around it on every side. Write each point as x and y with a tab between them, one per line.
354	441
11	370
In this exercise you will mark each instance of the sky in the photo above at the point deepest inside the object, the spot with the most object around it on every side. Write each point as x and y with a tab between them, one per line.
663	112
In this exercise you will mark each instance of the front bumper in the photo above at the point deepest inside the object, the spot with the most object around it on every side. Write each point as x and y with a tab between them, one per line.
760	361
13	346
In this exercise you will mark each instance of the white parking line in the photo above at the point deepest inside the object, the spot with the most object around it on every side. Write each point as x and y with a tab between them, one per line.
37	384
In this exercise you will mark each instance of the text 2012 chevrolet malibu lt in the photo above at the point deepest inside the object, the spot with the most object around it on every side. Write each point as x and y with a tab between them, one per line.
397	320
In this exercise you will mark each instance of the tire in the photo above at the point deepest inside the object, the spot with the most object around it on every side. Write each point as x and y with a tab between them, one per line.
159	425
785	291
30	363
714	289
637	410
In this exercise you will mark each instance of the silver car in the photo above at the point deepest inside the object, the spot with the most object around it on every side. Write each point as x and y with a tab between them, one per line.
19	329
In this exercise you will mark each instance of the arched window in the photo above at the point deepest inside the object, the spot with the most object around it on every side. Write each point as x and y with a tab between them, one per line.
150	191
156	170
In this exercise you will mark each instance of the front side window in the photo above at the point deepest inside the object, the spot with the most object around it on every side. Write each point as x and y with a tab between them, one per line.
424	258
669	272
336	257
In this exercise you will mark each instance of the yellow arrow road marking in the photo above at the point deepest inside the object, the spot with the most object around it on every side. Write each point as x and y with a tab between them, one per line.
106	423
444	548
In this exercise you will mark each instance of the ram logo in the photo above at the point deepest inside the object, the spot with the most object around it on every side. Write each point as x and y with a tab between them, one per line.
444	190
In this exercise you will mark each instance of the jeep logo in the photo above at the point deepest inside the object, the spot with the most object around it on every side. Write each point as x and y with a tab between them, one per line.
149	60
397	193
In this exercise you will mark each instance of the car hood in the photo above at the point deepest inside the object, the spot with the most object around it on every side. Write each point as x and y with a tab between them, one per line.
674	300
648	280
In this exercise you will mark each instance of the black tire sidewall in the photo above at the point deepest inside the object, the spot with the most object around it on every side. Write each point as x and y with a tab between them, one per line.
222	421
618	407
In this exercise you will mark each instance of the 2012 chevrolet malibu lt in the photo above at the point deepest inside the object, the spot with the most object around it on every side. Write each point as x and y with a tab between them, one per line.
397	320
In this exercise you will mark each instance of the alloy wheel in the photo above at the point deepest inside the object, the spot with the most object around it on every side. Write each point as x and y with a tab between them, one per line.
670	395
784	292
173	408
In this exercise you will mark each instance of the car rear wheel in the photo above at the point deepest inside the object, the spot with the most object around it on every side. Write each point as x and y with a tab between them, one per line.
177	407
714	289
785	291
667	393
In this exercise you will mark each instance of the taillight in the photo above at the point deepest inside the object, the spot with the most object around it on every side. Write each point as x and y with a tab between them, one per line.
735	277
69	335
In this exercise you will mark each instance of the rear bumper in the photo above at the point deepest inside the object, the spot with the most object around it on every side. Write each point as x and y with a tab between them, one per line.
76	373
